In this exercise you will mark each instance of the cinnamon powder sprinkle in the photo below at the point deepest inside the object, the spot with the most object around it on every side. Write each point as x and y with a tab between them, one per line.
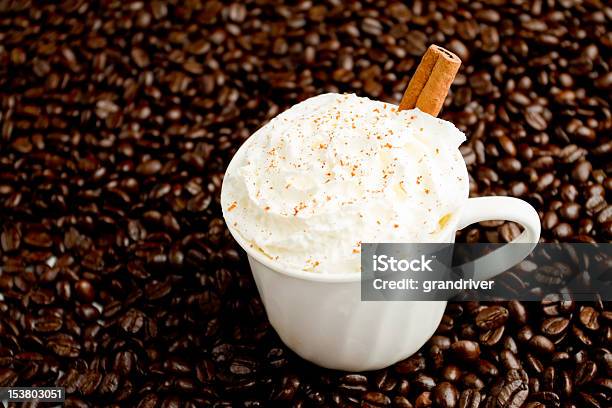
299	208
232	206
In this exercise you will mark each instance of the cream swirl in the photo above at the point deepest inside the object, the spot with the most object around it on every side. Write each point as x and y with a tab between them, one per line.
337	170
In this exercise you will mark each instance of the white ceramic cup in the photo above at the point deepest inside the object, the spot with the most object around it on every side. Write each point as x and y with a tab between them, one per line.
323	319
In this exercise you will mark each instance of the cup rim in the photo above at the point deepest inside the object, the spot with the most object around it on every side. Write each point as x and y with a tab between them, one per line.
253	253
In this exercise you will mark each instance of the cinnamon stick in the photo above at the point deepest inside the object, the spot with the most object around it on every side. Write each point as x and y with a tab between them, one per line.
430	83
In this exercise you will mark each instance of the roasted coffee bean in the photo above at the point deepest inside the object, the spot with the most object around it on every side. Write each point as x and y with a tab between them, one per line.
38	238
524	334
554	326
123	362
470	398
109	384
441	342
512	391
87	312
510	344
492	317
517	312
581	171
487	368
84	290
492	336
132	321
445	395
423	400
469	331
604	384
534	384
471	380
565	384
403	388
581	356
553	274
46	324
64	345
240	366
384	381
465	350
89	382
541	344
411	365
157	290
589	317
354	383
148	401
589	401
10	238
446	325
547	397
581	336
509	360
401	402
585	372
375	399
437	357
424	382
42	297
533	364
451	373
8	377
290	385
549	378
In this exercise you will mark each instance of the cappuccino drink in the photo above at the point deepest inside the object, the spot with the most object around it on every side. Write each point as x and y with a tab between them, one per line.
336	170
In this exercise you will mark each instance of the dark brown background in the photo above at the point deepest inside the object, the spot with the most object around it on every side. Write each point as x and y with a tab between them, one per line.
118	278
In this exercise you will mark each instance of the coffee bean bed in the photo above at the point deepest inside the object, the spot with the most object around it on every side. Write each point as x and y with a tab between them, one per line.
118	278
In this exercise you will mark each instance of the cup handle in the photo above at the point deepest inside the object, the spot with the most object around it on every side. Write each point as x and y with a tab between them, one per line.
501	208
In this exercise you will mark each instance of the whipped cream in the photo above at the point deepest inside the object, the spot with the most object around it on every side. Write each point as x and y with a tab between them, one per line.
337	170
